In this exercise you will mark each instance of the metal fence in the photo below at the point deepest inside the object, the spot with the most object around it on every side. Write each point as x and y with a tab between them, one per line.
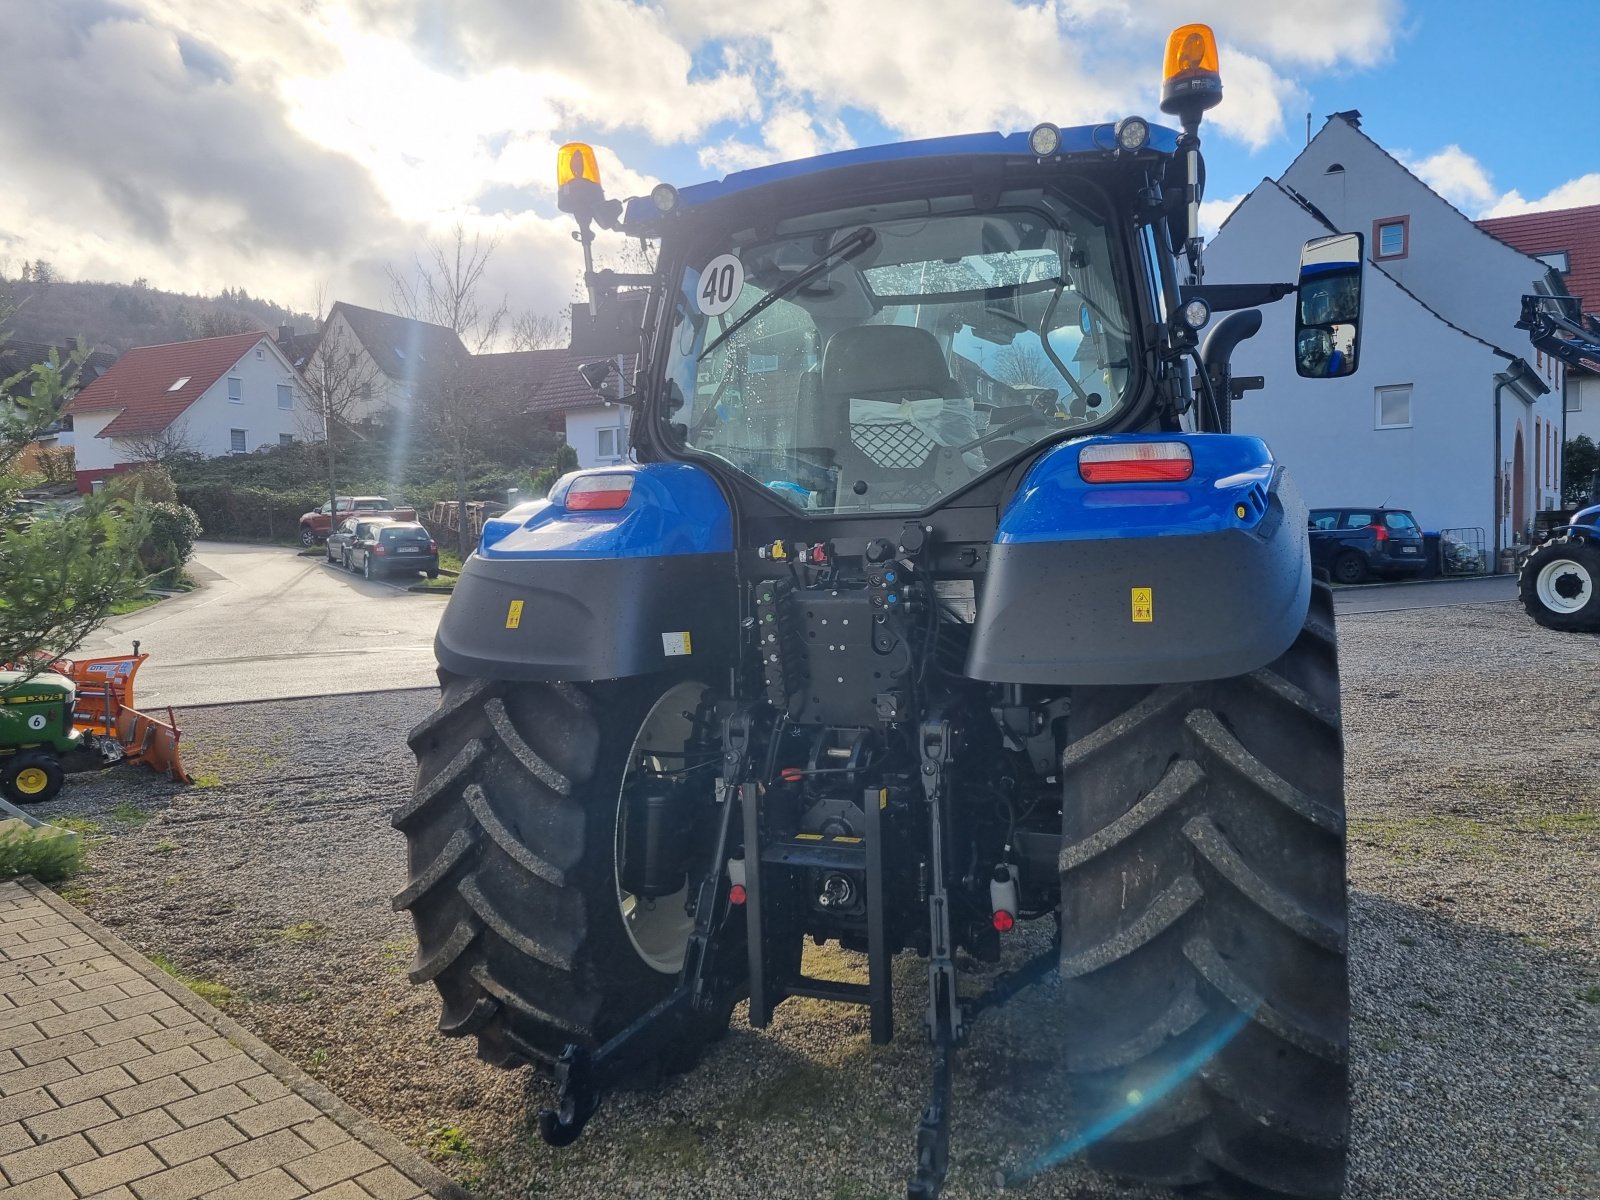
1463	551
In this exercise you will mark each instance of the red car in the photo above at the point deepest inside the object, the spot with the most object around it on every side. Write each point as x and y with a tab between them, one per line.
318	523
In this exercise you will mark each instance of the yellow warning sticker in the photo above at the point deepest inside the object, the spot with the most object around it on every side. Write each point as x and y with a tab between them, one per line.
514	614
808	837
1144	605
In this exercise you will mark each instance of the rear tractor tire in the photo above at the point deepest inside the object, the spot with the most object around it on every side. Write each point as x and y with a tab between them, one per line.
1560	585
1204	927
521	922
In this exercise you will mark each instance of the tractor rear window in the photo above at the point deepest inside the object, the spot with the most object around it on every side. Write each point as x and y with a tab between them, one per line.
900	359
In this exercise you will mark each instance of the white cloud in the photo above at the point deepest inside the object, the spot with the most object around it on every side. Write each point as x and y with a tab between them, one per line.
790	133
1575	193
1214	212
1254	97
1465	182
1455	175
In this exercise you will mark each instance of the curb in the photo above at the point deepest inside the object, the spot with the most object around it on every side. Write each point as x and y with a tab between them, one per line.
370	1134
1356	588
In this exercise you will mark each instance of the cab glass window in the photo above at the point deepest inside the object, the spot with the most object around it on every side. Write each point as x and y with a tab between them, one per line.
1357	520
916	353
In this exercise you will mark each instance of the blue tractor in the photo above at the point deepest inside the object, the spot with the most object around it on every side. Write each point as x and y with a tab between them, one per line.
1559	584
936	598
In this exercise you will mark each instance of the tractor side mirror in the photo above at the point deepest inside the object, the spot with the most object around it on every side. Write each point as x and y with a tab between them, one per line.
602	378
1327	311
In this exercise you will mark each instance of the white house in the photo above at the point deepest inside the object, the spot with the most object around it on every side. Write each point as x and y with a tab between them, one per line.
372	364
1450	413
214	396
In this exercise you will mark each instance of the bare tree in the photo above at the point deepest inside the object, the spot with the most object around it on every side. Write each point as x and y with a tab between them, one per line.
161	445
443	289
539	331
339	381
1024	367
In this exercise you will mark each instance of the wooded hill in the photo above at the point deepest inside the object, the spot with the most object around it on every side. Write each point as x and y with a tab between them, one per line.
116	316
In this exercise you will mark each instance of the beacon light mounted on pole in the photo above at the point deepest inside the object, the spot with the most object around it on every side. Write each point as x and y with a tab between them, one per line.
1190	84
608	324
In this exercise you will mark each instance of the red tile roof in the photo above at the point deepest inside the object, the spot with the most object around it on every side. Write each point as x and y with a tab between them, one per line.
140	382
1575	230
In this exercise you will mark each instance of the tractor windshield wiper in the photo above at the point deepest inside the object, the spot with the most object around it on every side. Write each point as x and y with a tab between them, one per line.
847	248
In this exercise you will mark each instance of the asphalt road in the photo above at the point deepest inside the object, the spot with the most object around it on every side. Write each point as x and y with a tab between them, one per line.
269	625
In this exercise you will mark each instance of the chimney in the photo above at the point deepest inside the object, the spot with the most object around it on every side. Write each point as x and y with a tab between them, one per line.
285	333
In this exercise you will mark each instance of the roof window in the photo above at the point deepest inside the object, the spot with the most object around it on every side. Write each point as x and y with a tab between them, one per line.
183	380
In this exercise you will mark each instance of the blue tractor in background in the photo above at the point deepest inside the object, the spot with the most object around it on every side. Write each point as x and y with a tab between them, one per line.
937	598
1559	584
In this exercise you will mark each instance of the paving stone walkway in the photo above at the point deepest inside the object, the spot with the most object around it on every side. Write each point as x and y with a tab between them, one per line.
117	1082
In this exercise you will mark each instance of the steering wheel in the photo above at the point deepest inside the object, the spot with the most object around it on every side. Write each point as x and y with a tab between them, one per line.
1012	426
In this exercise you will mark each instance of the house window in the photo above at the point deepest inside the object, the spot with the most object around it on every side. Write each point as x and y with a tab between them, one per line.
236	441
285	396
286	439
1391	237
1334	169
1394	407
1556	260
260	354
235	390
606	443
1574	397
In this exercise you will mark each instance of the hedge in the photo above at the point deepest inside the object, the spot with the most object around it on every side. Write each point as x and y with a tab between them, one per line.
249	513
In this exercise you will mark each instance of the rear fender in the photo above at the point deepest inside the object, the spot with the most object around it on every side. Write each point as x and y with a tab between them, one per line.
558	594
1131	583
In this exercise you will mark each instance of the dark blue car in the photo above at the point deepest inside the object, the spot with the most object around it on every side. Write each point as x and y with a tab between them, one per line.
1356	544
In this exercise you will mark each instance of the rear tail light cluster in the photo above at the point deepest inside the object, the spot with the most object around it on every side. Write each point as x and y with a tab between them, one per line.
1380	534
1135	462
598	493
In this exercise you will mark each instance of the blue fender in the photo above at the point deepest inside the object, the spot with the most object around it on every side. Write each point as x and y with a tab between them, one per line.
558	593
1135	583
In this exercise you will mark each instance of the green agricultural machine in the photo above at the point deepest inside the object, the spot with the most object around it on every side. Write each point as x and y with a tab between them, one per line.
36	734
936	598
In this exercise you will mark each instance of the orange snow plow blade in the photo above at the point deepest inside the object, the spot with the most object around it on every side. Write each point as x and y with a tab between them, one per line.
152	742
104	708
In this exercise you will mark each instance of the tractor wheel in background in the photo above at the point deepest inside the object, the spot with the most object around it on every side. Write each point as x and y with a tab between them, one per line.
1203	916
513	831
1349	567
31	777
1560	585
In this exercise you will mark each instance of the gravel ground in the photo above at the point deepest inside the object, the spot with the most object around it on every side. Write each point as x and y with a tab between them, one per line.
1475	847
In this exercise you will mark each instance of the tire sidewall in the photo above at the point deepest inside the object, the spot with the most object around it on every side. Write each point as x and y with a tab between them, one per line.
1349	568
1581	550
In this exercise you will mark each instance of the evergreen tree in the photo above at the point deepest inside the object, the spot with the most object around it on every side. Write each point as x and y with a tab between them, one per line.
60	573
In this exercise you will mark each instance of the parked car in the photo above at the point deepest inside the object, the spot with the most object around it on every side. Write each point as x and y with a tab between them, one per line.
392	548
316	525
343	538
1353	544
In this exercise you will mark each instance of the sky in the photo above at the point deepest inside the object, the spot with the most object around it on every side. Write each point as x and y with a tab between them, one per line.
298	147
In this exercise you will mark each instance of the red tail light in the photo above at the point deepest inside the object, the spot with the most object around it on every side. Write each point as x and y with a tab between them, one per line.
433	546
379	550
598	493
1380	534
1135	462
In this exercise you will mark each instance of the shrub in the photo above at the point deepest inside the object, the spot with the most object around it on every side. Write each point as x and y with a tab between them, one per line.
173	529
57	466
47	854
230	510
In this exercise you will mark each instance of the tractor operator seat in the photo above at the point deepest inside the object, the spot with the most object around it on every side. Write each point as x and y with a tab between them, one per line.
885	363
